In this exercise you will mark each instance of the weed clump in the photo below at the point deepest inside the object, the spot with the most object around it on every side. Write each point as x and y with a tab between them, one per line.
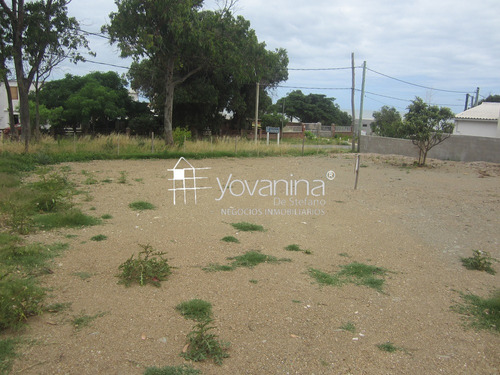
149	267
202	345
480	261
249	259
388	347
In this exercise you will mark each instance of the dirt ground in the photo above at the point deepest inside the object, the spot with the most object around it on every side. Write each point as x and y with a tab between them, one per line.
414	222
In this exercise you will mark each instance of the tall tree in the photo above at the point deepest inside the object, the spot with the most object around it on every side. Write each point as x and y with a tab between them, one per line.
37	28
427	126
173	40
313	108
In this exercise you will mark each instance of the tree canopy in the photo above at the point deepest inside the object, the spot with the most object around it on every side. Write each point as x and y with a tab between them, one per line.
36	33
94	101
173	40
427	126
388	123
313	108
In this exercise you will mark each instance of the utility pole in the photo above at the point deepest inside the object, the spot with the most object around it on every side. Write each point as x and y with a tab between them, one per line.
361	105
257	110
466	102
352	103
477	97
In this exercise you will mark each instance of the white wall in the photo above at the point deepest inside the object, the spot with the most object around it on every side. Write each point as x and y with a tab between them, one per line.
4	111
478	128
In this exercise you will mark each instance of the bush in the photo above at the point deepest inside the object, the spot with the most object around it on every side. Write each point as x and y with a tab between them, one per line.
19	299
180	135
149	267
195	309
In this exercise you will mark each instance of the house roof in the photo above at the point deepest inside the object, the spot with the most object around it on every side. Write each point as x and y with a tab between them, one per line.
484	111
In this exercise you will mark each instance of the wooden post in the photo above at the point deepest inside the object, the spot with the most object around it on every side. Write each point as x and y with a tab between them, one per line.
356	171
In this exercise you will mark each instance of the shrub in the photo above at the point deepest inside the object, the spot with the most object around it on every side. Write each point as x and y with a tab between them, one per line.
180	135
19	299
203	345
149	267
480	261
248	227
481	313
66	219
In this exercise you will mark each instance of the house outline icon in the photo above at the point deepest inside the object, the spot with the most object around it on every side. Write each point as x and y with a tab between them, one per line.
187	178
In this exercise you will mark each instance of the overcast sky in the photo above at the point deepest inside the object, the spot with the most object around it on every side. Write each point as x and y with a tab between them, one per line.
450	47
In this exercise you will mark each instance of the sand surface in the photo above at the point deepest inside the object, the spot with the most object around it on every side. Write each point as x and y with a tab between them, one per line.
415	222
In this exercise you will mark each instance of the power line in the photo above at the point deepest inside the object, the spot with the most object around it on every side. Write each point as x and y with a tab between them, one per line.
318	69
415	84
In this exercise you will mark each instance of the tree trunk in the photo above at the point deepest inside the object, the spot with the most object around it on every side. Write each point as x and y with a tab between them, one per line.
169	101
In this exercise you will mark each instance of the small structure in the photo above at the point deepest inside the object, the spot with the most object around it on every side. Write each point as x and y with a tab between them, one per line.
480	121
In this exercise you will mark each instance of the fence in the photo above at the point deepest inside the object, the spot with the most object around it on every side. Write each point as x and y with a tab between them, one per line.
458	148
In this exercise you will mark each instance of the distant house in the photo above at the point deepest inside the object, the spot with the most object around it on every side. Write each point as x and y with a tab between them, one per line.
4	110
480	121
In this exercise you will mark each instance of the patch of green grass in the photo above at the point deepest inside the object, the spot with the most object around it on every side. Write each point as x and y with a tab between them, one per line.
83	275
295	247
83	320
196	309
480	261
8	239
357	273
107	181
344	255
249	259
230	239
172	370
32	258
149	267
73	218
324	278
7	354
202	345
388	347
106	217
99	237
480	313
253	258
253	281
141	205
349	326
70	236
248	227
214	267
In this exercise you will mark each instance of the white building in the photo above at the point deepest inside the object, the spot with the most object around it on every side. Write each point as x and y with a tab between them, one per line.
4	106
480	121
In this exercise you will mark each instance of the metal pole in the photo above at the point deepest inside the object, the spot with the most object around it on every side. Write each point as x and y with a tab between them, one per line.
477	97
466	102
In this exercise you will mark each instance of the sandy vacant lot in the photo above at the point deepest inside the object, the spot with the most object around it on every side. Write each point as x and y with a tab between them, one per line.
416	223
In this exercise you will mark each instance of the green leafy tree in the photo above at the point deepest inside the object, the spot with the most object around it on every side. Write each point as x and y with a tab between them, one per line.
388	123
174	40
313	108
37	29
427	126
93	102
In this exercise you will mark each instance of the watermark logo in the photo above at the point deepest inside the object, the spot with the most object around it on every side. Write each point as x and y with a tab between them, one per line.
184	180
